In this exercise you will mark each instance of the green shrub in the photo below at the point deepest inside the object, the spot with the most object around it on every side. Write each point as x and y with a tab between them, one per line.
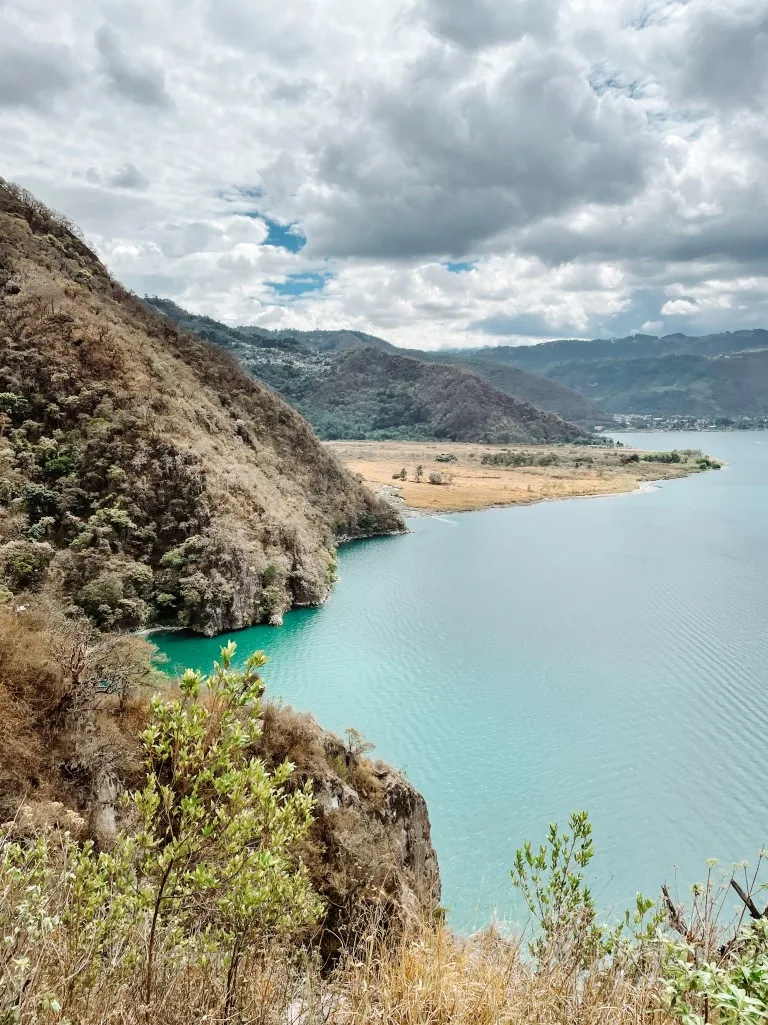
24	563
209	870
663	457
736	992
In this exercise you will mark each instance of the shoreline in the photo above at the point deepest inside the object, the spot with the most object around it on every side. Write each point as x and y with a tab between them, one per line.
645	487
471	478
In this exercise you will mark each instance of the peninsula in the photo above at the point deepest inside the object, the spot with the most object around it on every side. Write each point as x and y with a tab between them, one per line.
461	477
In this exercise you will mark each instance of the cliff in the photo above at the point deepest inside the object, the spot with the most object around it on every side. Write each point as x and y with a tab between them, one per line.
144	477
371	850
73	702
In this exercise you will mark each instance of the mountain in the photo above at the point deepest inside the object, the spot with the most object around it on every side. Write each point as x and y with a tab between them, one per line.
145	478
367	392
348	388
732	384
551	396
541	358
261	337
708	376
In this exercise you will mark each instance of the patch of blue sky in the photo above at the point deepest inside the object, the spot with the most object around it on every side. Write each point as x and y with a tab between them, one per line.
283	236
458	267
299	284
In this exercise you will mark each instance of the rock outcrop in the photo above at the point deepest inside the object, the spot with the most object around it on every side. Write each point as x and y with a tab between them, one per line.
370	855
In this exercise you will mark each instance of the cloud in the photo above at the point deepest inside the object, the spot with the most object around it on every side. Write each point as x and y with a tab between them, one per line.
474	24
33	75
460	172
524	325
471	157
129	177
727	65
140	82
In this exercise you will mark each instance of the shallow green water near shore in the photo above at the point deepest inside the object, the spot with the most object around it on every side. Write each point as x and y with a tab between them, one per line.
608	654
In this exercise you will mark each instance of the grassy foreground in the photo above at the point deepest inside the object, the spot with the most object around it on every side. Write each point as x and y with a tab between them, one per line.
480	476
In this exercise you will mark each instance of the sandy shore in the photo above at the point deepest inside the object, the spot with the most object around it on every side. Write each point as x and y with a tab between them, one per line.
471	484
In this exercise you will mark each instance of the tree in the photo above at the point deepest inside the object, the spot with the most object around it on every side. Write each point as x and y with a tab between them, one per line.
218	834
419	473
208	870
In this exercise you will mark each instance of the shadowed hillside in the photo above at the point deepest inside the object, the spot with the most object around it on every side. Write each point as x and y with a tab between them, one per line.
143	475
403	397
551	396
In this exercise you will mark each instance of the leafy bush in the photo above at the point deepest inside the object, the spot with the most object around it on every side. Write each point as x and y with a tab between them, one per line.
662	457
208	871
24	563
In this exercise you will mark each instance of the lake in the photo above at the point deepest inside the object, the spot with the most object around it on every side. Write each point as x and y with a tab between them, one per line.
608	654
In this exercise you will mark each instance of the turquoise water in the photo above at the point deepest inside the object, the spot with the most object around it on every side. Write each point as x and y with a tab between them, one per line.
608	654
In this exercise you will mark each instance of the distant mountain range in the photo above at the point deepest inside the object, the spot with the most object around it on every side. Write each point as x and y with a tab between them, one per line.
352	385
711	375
584	382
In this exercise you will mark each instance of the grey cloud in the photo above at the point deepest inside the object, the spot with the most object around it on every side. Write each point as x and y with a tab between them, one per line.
429	169
139	82
656	231
526	325
32	75
128	177
277	30
100	212
726	59
474	24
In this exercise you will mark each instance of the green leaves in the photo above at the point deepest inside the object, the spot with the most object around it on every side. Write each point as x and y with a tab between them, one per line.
211	866
551	880
735	989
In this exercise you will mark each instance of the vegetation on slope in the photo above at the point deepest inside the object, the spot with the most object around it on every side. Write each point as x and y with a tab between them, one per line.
712	375
354	386
546	394
735	384
371	394
144	476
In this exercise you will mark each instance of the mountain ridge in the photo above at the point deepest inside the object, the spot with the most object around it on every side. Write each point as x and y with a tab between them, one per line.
406	393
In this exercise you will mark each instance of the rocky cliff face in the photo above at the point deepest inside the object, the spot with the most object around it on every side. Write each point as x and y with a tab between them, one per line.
371	855
144	477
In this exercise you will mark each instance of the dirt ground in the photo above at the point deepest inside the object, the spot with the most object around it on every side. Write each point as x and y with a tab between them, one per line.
473	485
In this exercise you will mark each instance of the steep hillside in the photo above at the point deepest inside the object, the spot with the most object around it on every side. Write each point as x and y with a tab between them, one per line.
368	393
733	384
551	396
144	476
382	392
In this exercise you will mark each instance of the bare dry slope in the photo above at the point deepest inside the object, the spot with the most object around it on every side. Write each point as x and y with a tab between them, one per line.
144	476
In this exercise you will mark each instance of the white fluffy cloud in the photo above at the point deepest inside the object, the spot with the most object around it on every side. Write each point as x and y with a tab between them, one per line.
441	172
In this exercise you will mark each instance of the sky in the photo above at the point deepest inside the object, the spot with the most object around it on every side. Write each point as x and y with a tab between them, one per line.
441	173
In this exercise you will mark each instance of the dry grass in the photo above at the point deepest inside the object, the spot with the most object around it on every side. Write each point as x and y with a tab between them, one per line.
57	729
427	977
431	977
475	486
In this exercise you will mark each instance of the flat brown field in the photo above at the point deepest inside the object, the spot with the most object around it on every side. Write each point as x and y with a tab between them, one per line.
473	485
